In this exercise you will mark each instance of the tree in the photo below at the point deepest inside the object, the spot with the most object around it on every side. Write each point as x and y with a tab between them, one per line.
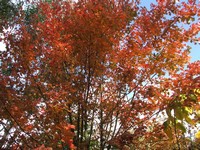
97	74
8	10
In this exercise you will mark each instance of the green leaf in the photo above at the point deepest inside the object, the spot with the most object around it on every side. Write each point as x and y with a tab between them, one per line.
183	97
178	113
167	129
193	97
181	127
165	124
168	111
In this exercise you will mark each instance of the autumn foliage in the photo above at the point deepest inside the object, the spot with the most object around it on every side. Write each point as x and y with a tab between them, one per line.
97	74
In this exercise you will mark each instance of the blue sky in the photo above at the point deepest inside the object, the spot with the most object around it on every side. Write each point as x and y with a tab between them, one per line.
195	49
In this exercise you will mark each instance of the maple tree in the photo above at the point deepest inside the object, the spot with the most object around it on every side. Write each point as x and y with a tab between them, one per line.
98	74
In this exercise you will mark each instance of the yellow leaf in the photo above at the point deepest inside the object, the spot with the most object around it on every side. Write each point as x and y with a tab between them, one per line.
197	135
188	109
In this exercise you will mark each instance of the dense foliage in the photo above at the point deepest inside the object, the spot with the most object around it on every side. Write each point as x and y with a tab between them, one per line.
97	74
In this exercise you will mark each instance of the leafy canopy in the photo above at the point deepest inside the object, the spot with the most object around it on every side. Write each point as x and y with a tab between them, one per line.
99	74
